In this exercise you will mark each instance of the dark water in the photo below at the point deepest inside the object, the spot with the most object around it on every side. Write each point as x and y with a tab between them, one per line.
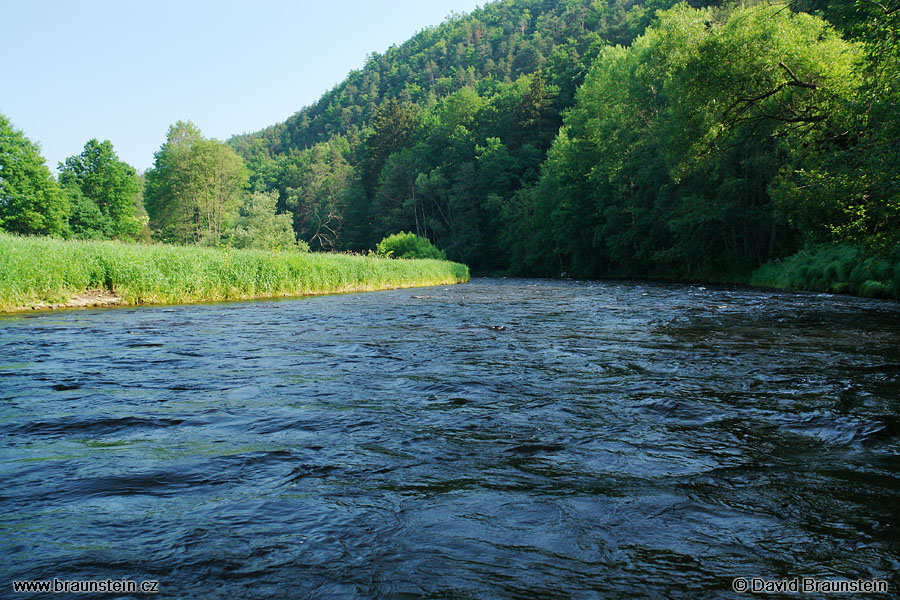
501	439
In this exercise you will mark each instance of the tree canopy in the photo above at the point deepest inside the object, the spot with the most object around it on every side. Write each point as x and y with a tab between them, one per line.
30	199
107	188
624	138
194	187
667	158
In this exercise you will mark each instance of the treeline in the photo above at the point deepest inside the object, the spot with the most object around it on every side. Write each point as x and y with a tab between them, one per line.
587	137
720	140
196	193
96	196
541	138
440	135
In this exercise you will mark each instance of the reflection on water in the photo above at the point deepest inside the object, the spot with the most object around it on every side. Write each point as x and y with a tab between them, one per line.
509	439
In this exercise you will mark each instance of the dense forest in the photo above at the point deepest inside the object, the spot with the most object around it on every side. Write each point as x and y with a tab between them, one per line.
590	138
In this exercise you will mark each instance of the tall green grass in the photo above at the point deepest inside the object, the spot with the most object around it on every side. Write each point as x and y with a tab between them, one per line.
836	269
40	271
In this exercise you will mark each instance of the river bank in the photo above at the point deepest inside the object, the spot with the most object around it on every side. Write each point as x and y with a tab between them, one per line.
834	269
45	273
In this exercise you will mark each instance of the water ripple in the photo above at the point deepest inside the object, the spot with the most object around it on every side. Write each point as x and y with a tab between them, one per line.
501	439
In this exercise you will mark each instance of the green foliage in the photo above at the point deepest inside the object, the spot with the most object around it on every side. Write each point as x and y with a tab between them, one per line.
168	189
408	245
195	186
107	191
86	221
665	162
30	199
218	179
501	42
260	228
621	138
320	190
848	193
36	271
393	126
445	131
144	234
837	269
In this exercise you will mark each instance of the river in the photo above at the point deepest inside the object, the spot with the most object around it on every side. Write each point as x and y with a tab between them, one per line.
499	439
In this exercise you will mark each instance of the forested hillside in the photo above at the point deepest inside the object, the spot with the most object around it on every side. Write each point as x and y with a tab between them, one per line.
500	42
437	135
607	139
593	138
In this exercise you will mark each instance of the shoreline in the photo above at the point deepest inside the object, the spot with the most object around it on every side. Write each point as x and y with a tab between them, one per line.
86	299
110	299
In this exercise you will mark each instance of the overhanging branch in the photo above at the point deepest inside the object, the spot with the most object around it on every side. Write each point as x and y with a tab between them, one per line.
795	81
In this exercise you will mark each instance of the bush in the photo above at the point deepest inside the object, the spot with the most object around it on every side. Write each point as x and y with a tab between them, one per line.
259	228
408	245
874	289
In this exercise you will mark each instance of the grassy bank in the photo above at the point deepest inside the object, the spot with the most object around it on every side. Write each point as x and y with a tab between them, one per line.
836	269
45	271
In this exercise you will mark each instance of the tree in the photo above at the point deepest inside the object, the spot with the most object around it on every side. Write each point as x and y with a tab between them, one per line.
145	234
86	222
194	187
218	179
392	127
799	82
324	185
397	202
257	225
168	190
30	199
666	162
848	191
109	184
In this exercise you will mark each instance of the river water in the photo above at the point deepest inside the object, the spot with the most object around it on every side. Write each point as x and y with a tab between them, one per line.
499	439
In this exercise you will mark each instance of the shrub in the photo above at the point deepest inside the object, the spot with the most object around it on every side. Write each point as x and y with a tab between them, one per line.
874	289
408	245
259	228
837	269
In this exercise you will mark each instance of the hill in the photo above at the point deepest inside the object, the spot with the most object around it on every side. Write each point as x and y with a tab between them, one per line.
618	138
501	42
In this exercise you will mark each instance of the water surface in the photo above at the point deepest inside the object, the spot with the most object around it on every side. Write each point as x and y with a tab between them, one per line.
500	439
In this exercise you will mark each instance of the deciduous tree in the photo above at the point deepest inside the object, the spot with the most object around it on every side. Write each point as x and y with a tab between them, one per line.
258	225
30	199
194	186
109	184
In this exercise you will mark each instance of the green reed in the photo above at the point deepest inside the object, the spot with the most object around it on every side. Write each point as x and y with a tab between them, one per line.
40	271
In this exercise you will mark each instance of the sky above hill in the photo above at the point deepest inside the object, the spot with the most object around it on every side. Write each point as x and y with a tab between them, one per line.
125	71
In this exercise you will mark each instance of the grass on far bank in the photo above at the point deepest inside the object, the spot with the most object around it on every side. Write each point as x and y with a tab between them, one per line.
835	269
38	271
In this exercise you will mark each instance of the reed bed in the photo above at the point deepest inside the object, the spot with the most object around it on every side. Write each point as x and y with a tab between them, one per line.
41	272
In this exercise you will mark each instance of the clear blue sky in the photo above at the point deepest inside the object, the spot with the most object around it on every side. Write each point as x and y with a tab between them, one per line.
125	70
